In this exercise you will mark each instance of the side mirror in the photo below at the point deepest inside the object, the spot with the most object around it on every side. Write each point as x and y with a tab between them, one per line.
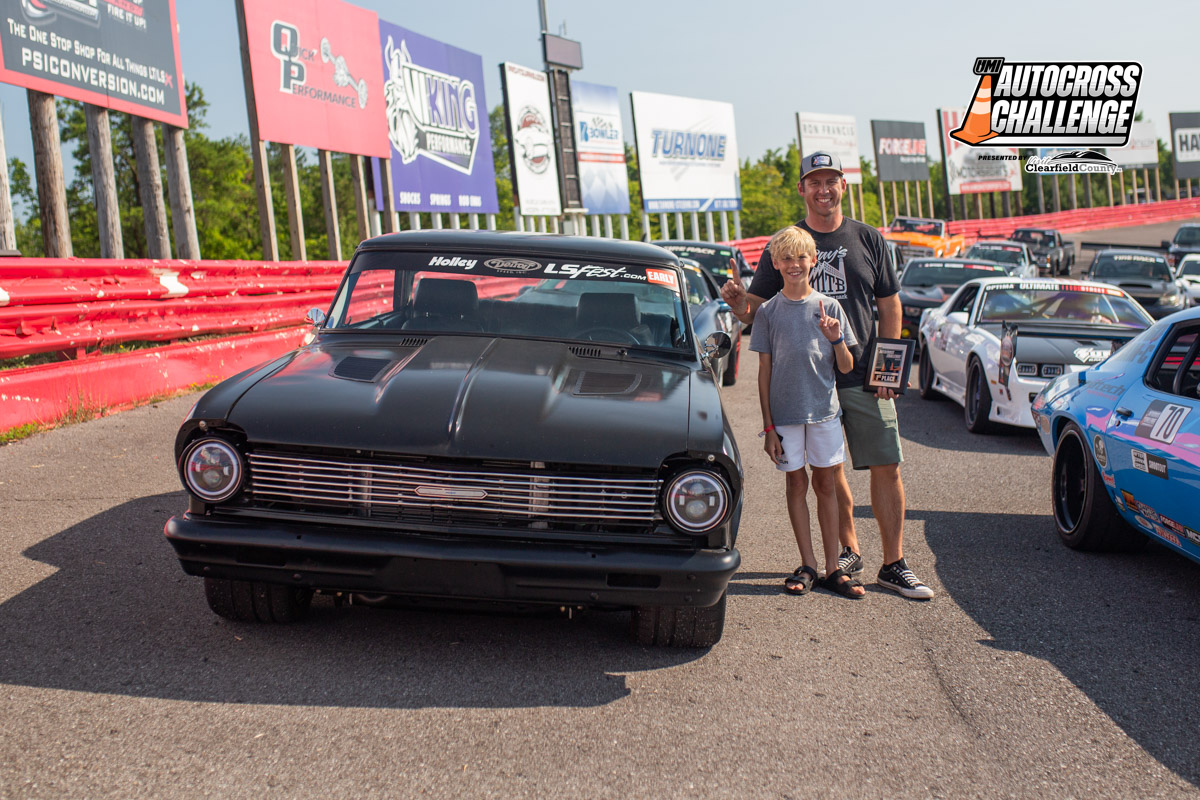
315	315
1166	245
957	317
717	345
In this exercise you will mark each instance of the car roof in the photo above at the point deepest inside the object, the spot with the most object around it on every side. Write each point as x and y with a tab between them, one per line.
999	241
1038	230
954	262
1131	251
693	243
584	248
1039	283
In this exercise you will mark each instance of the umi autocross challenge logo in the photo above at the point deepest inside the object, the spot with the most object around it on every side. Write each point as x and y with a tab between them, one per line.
1052	103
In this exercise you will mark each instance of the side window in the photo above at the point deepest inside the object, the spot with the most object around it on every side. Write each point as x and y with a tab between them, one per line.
965	300
1177	370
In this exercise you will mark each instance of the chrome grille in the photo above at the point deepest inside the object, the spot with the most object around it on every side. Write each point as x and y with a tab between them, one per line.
911	251
429	492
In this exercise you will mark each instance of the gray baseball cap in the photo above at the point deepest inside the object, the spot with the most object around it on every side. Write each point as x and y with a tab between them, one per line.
820	160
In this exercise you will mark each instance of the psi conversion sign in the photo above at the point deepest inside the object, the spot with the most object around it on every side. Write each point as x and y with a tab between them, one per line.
687	153
122	55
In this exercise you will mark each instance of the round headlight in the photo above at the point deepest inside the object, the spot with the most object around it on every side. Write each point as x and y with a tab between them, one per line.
696	501
212	470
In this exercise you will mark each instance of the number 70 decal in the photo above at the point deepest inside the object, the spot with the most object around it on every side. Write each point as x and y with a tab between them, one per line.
1162	421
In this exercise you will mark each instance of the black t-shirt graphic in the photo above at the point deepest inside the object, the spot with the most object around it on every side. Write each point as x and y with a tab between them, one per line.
853	267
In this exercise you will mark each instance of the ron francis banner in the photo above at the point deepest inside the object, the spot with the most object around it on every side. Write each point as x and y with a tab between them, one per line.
1185	144
975	170
600	148
118	54
531	140
831	133
900	150
437	125
318	81
687	153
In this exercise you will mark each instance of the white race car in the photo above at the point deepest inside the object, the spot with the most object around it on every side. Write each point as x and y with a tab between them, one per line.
996	342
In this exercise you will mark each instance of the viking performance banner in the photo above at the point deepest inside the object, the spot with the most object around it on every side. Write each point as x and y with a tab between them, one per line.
900	150
831	133
687	153
974	170
1185	144
600	148
437	124
531	139
118	54
318	81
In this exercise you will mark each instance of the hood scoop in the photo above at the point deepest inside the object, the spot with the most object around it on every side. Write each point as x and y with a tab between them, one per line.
358	368
589	383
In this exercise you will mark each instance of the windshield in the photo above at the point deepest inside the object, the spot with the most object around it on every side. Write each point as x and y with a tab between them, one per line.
1030	237
919	274
1005	254
715	260
1016	302
929	227
511	296
1132	265
1190	266
1188	236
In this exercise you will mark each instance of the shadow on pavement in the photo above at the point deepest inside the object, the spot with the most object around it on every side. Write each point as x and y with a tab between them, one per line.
939	424
119	616
1123	628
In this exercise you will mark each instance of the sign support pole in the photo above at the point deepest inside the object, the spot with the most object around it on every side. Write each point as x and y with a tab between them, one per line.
907	200
154	211
737	224
262	179
358	184
104	183
179	188
708	223
389	196
8	233
291	190
48	169
329	200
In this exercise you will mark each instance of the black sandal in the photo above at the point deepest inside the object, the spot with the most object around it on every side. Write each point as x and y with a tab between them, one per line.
833	583
801	580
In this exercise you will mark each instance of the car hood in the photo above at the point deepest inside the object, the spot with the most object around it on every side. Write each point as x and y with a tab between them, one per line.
1141	288
911	237
474	397
926	296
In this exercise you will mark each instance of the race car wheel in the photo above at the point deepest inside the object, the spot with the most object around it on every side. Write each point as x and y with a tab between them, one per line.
729	378
978	405
1083	511
678	626
925	375
252	601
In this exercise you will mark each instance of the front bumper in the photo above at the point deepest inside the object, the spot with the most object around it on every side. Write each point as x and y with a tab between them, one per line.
342	558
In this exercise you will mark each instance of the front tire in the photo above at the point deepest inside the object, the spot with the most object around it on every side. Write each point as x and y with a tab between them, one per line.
253	601
978	405
678	626
1084	513
925	375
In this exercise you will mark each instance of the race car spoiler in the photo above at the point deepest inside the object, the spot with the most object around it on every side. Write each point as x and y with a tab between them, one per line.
1122	246
1010	335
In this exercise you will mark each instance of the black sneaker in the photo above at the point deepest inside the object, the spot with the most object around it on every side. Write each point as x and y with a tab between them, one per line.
850	562
899	578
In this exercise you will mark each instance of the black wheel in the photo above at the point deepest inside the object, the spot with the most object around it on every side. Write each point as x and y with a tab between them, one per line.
251	601
679	626
729	378
978	405
925	375
1083	512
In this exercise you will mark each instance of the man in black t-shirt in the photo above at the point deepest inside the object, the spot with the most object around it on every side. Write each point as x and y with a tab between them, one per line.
852	266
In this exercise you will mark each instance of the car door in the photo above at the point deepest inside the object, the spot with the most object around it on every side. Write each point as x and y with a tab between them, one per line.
954	347
1153	442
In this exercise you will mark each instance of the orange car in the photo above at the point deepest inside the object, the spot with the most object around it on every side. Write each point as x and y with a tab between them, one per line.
923	238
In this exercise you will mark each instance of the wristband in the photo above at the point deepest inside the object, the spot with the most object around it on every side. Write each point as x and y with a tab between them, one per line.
840	339
766	430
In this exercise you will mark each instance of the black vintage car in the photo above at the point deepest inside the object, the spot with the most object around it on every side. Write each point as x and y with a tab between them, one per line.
454	431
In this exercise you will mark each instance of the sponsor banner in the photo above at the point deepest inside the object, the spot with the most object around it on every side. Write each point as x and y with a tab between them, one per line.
973	170
831	133
600	148
531	139
316	73
687	153
437	125
1142	150
118	54
1185	144
900	150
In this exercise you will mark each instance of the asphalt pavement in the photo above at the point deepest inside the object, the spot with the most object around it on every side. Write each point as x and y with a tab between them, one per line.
1036	671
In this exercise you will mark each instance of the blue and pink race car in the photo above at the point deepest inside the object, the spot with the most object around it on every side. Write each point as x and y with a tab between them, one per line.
1125	437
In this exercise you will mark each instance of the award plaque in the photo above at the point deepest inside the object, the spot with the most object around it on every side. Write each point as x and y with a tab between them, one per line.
888	365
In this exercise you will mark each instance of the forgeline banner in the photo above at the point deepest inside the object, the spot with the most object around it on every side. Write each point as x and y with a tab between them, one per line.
1185	143
831	133
531	139
687	153
973	170
900	150
437	125
318	80
1142	150
600	148
118	54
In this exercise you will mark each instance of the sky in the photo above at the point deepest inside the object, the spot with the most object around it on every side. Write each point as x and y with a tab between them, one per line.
769	58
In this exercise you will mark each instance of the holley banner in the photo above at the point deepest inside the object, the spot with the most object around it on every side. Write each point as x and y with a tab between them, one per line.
317	77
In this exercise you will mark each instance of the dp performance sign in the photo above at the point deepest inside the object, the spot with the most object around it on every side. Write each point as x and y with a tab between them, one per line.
600	148
900	150
531	140
317	77
118	54
834	134
1185	143
978	169
687	153
440	142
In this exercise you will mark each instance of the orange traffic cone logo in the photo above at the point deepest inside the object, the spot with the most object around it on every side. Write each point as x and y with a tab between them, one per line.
978	125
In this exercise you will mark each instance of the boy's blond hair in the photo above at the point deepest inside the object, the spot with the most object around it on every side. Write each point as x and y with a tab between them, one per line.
792	242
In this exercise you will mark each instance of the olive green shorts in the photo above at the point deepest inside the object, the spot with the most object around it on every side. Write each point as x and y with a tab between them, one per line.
872	432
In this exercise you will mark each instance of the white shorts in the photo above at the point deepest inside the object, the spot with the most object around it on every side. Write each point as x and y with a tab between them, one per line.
817	444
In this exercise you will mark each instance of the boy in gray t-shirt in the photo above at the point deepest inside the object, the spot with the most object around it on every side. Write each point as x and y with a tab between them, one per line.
800	336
